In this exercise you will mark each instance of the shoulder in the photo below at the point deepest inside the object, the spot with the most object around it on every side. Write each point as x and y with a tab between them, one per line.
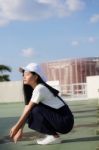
40	87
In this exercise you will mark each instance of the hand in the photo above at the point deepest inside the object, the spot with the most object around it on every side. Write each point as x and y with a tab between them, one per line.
13	131
18	135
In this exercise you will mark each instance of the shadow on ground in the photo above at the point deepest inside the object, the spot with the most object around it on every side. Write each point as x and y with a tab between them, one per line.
30	136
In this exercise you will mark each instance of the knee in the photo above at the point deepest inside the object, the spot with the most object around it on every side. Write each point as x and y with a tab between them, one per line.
35	110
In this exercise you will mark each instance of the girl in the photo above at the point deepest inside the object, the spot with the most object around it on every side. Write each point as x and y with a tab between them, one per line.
44	111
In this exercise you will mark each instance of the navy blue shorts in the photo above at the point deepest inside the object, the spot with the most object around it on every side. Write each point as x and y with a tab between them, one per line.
47	120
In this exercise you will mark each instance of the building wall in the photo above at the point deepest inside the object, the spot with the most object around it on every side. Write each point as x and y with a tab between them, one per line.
11	92
68	72
93	87
71	71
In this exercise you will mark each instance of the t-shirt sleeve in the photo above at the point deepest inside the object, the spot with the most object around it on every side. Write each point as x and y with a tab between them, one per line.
37	95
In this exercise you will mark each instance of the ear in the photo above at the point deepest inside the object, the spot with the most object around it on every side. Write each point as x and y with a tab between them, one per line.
36	77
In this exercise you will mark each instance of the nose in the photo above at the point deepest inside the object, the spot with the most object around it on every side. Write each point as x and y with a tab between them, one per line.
24	78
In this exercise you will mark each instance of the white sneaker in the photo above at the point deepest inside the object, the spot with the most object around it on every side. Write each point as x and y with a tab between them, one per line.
50	139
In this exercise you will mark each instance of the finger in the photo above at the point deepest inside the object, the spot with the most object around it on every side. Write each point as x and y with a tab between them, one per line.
10	134
15	140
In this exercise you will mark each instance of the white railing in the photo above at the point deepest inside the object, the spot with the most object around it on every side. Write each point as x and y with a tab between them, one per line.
74	90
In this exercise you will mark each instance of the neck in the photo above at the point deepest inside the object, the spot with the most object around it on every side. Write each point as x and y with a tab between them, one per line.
34	85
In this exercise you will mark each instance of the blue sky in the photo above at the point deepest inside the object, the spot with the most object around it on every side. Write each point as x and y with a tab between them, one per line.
46	30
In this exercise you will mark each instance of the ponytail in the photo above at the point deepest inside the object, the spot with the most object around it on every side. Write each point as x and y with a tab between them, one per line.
27	91
51	89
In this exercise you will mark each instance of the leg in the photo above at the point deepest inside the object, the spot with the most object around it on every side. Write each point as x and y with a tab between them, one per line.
60	120
38	122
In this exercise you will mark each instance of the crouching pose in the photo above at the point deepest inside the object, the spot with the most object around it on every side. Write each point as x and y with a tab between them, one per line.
44	110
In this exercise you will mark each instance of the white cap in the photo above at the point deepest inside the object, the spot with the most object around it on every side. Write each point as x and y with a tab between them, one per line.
33	67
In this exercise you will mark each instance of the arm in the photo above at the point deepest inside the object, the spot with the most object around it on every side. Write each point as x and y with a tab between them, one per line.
21	122
25	114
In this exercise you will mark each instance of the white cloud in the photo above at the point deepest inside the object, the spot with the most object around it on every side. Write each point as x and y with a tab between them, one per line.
91	39
75	43
47	1
29	52
94	18
3	22
24	10
74	5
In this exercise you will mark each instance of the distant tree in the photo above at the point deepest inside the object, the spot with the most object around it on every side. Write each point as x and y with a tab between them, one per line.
3	76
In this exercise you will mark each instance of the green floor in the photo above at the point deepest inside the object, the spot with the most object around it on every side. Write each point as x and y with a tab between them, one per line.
82	137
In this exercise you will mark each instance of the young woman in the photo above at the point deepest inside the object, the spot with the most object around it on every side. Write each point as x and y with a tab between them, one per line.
44	111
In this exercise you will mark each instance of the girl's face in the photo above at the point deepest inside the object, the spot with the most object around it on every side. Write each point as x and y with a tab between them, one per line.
29	78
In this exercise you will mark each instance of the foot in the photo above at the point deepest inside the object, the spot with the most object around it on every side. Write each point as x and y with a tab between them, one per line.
49	139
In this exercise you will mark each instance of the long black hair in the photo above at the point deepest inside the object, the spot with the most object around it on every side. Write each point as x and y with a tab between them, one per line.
28	90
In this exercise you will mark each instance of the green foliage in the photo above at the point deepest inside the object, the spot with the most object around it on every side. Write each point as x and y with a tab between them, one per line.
3	76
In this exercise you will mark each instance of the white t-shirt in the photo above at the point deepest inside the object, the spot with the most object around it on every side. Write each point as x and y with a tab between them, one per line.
42	94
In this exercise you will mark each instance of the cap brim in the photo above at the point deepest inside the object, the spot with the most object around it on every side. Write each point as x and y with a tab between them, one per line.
21	70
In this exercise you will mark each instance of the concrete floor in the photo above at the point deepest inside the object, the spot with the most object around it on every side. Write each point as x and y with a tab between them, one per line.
82	137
